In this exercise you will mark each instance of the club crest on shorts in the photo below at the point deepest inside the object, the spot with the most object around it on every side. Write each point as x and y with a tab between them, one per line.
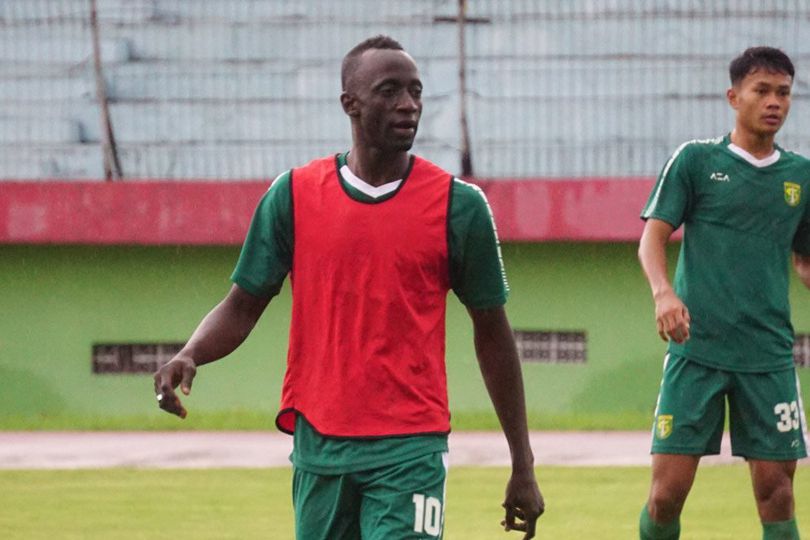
663	426
793	193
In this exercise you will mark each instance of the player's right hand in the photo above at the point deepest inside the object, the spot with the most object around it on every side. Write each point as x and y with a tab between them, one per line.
671	317
179	371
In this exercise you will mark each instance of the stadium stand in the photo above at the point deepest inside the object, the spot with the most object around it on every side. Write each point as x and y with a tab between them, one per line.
225	89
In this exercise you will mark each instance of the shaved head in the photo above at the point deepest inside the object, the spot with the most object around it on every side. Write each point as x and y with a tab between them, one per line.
352	58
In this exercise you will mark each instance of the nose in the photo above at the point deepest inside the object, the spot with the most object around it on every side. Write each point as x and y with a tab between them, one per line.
774	101
407	102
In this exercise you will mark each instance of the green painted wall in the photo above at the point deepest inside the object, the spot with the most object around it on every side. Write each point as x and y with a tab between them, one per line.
59	300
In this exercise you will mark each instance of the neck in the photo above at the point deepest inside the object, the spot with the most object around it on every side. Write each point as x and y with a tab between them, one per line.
376	167
759	146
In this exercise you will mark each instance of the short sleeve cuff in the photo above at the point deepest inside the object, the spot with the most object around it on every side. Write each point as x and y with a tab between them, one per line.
674	221
251	288
486	303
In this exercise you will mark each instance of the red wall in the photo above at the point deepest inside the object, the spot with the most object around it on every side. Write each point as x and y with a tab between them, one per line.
218	213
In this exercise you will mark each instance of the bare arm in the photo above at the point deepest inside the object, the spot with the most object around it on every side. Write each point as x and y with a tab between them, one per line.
218	334
671	315
500	368
802	265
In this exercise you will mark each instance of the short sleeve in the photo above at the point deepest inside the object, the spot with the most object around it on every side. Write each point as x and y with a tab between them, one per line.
671	195
266	256
477	274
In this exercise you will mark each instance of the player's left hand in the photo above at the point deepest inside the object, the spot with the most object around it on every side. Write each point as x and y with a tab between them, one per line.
523	504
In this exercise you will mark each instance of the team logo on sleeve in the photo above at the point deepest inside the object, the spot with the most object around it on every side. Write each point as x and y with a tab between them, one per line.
663	426
793	193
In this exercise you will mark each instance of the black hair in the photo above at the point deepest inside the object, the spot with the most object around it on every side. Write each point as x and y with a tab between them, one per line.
352	57
753	58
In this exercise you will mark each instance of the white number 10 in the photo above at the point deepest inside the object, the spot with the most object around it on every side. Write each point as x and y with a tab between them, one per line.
427	515
788	416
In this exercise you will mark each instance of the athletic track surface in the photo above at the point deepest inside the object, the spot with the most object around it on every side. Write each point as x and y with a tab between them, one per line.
185	450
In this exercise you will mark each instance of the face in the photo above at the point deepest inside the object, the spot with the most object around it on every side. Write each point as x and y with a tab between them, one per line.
384	99
762	101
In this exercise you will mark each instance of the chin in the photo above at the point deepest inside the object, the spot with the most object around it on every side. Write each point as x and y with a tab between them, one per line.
769	131
402	146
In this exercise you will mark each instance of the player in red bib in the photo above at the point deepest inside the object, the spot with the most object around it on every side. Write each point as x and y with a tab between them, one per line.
373	240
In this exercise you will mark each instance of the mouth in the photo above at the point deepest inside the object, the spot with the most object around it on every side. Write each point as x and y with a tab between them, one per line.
405	126
772	119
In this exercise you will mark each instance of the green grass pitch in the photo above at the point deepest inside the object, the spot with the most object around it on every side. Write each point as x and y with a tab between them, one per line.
582	503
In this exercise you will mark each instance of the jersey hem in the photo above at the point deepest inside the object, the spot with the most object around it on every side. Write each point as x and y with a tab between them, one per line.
733	369
684	451
351	437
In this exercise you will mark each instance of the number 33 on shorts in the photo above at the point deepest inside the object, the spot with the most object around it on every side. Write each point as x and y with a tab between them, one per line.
789	416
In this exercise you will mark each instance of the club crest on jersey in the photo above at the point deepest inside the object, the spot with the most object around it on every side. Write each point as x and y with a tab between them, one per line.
793	193
663	426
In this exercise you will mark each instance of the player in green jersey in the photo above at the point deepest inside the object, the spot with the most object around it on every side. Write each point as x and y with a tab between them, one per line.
352	487
743	201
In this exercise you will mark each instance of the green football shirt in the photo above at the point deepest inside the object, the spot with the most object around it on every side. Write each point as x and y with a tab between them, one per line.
741	216
477	278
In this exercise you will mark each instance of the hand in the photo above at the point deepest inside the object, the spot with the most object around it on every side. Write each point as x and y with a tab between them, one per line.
671	317
179	371
523	503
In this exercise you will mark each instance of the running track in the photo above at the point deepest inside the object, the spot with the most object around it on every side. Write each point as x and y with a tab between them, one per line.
79	450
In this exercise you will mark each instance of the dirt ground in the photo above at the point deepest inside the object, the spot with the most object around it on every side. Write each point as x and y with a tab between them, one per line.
76	450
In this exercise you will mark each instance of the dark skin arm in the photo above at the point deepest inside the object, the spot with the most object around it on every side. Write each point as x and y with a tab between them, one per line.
218	334
500	368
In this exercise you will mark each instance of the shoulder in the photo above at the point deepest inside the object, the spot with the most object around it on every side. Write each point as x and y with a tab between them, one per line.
698	147
280	184
688	156
795	158
316	168
467	197
278	194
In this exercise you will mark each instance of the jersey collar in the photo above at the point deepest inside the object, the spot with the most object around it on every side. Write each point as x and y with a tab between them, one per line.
756	162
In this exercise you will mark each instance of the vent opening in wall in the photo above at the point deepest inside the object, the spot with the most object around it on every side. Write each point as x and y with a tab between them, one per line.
801	350
132	358
552	347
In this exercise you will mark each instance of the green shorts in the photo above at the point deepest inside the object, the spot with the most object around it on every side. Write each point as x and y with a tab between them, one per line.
766	417
401	501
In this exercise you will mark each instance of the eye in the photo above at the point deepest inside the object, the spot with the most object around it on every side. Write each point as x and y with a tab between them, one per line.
416	92
387	90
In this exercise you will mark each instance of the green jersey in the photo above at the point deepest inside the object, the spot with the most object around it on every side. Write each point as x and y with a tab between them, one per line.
476	276
741	216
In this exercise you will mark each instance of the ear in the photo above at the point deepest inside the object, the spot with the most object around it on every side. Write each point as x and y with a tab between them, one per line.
732	97
349	103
